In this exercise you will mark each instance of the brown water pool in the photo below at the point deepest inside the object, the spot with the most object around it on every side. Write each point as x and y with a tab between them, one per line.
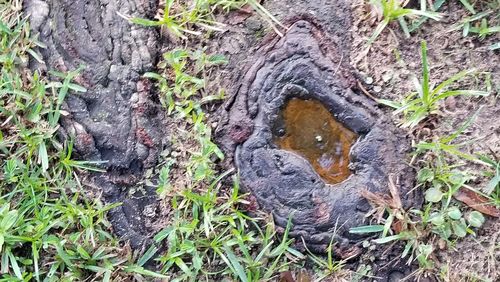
310	130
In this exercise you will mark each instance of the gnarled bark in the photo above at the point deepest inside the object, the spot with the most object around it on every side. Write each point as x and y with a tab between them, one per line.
117	121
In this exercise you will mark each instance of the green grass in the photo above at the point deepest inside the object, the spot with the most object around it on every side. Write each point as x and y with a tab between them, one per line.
478	25
442	173
194	16
53	228
426	99
442	161
49	229
392	10
210	237
436	5
183	98
468	6
475	24
329	267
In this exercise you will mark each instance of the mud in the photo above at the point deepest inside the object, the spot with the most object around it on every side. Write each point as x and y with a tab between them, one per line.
304	64
118	120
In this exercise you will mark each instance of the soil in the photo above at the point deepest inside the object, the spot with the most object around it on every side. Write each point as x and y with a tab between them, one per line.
119	120
388	66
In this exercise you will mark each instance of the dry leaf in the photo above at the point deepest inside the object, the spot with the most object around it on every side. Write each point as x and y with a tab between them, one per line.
240	15
303	276
477	202
286	276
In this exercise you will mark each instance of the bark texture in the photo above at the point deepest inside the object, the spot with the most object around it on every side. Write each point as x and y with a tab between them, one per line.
117	121
311	62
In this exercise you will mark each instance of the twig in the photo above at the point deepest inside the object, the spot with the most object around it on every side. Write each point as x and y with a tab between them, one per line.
366	91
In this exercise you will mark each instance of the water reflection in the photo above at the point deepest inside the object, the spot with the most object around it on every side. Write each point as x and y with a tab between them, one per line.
307	128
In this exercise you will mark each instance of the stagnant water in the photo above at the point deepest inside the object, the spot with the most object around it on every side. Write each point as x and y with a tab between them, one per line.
307	128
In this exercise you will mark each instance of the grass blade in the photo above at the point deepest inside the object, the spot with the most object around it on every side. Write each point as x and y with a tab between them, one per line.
367	229
43	156
147	255
388	239
377	31
143	271
464	126
404	26
459	92
494	46
236	264
451	80
468	6
425	73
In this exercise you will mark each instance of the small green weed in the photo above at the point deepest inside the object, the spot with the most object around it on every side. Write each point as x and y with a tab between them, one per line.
183	97
183	91
436	5
444	147
465	24
398	225
328	267
441	178
180	18
49	231
481	29
392	10
443	175
210	237
484	30
425	101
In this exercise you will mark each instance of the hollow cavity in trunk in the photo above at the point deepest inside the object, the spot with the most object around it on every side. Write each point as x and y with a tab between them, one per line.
307	128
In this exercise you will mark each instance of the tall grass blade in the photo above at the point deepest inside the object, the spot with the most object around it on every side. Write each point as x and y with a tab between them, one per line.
468	6
425	73
235	264
451	80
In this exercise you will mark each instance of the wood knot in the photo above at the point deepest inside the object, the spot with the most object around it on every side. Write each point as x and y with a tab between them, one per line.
240	132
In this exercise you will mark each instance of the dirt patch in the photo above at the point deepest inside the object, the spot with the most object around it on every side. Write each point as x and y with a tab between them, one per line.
386	72
476	258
